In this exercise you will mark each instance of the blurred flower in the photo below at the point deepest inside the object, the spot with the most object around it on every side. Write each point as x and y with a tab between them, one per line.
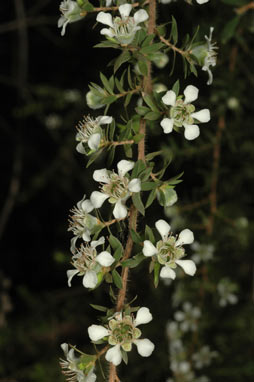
188	317
226	289
204	357
90	133
93	100
89	264
81	221
53	121
72	95
202	252
117	188
182	113
122	28
233	103
71	12
169	250
121	333
71	369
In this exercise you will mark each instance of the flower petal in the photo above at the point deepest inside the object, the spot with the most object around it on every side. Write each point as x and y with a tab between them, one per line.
80	148
91	377
90	279
87	206
114	355
143	316
124	166
98	198
191	93
104	119
202	1
149	249
120	211
125	10
202	115
163	228
105	259
97	332
134	185
167	273
140	16
95	243
191	132
107	32
94	141
188	266
101	176
167	125
145	347
86	235
70	274
169	98
185	237
105	18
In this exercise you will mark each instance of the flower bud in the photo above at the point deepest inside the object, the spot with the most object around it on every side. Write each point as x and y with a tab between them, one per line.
166	195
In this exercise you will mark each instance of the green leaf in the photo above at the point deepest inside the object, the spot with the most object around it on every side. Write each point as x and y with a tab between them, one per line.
135	236
124	57
148	40
129	77
107	44
156	274
137	138
138	168
110	99
134	261
174	31
128	150
152	116
106	83
119	86
136	198
151	48
118	254
229	29
114	242
142	110
117	279
87	6
150	156
143	67
151	198
111	156
176	179
99	307
150	102
127	99
148	186
176	87
124	356
149	234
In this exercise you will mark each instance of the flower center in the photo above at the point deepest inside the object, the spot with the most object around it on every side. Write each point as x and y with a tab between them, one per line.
117	188
123	26
86	128
123	332
181	113
168	252
84	259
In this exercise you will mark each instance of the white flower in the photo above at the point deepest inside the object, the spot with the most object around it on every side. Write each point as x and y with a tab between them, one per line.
121	333
71	12
226	291
203	357
123	28
182	113
188	317
88	264
117	188
202	252
90	133
210	58
169	251
71	369
202	1
81	221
